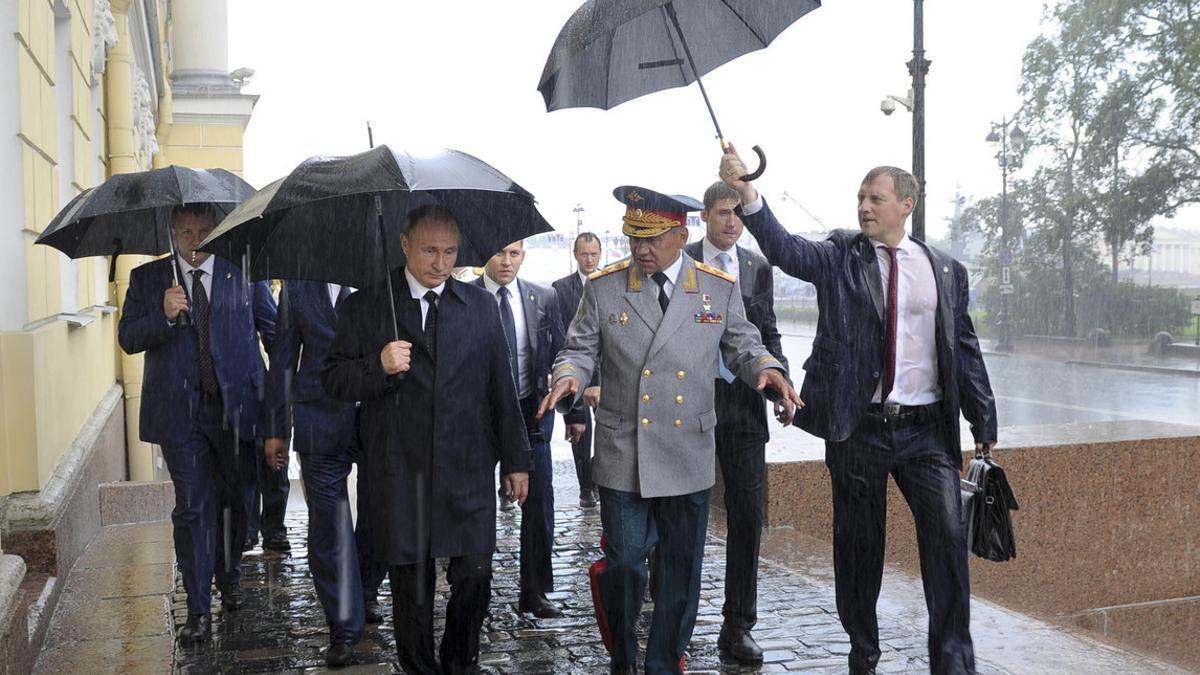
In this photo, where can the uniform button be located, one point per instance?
(875, 374)
(678, 423)
(646, 373)
(679, 399)
(645, 397)
(645, 422)
(680, 374)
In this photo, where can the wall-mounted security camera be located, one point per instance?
(887, 106)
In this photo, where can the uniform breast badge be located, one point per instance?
(707, 316)
(623, 319)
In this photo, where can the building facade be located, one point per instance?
(88, 89)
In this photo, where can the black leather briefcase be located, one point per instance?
(987, 501)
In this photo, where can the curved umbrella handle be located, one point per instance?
(762, 165)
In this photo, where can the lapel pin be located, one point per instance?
(945, 269)
(229, 275)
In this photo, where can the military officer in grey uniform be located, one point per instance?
(658, 321)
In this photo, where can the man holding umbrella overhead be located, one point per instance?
(439, 410)
(658, 320)
(200, 400)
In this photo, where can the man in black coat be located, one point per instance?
(529, 316)
(741, 433)
(439, 410)
(895, 361)
(579, 420)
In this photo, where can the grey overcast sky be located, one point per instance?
(463, 74)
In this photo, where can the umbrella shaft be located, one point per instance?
(670, 8)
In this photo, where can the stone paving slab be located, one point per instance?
(282, 629)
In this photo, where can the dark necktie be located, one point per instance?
(889, 336)
(431, 318)
(200, 318)
(663, 299)
(510, 333)
(342, 295)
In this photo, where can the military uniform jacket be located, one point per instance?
(654, 426)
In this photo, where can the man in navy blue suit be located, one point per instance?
(200, 401)
(325, 434)
(894, 362)
(533, 332)
(439, 410)
(579, 421)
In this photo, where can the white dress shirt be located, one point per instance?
(711, 252)
(335, 290)
(206, 278)
(524, 349)
(583, 278)
(418, 291)
(916, 313)
(672, 272)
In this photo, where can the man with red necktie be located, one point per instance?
(894, 362)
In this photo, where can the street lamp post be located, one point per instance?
(918, 67)
(578, 228)
(1009, 158)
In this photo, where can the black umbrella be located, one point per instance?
(336, 219)
(613, 51)
(131, 212)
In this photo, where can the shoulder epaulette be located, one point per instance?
(615, 267)
(716, 272)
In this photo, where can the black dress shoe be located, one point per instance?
(250, 543)
(506, 504)
(539, 606)
(862, 671)
(197, 629)
(614, 669)
(279, 545)
(339, 655)
(587, 499)
(739, 645)
(232, 598)
(373, 612)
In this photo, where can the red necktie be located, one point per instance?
(889, 336)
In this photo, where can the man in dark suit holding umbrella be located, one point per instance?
(326, 437)
(439, 410)
(200, 401)
(741, 433)
(579, 421)
(895, 361)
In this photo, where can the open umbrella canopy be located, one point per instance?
(130, 212)
(612, 51)
(320, 223)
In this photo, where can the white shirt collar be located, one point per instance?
(206, 266)
(906, 244)
(672, 270)
(492, 286)
(583, 278)
(710, 252)
(417, 290)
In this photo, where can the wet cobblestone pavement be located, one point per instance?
(281, 628)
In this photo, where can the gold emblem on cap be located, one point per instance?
(633, 196)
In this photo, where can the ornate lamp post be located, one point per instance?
(1009, 158)
(578, 228)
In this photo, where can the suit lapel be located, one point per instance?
(874, 278)
(944, 324)
(408, 313)
(679, 309)
(747, 276)
(529, 304)
(643, 302)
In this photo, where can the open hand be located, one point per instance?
(789, 399)
(565, 386)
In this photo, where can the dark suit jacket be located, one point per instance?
(570, 292)
(543, 327)
(847, 358)
(741, 409)
(433, 436)
(295, 397)
(240, 312)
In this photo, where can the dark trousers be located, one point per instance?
(371, 569)
(212, 472)
(629, 523)
(537, 519)
(470, 580)
(267, 503)
(332, 555)
(743, 467)
(582, 451)
(927, 472)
